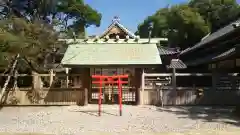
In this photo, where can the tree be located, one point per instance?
(31, 40)
(34, 25)
(217, 12)
(82, 13)
(59, 12)
(182, 25)
(160, 27)
(186, 26)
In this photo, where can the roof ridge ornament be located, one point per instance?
(117, 37)
(126, 38)
(96, 39)
(86, 39)
(106, 38)
(137, 38)
(116, 19)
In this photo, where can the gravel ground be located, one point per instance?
(135, 120)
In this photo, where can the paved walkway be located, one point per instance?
(135, 120)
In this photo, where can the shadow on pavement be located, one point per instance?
(207, 114)
(95, 113)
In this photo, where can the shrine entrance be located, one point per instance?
(109, 80)
(110, 87)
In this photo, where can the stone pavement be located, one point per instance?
(75, 120)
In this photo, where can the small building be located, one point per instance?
(117, 51)
(214, 49)
(217, 53)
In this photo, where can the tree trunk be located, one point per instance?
(9, 77)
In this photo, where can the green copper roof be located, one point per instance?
(111, 54)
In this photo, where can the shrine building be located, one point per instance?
(117, 51)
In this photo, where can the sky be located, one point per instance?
(130, 12)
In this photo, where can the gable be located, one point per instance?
(117, 29)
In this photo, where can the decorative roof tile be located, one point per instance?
(114, 41)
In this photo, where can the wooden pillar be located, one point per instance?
(77, 80)
(214, 80)
(174, 85)
(143, 86)
(137, 84)
(234, 82)
(86, 82)
(85, 96)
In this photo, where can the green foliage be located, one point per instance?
(29, 39)
(160, 28)
(217, 12)
(77, 9)
(31, 28)
(181, 24)
(52, 11)
(186, 24)
(82, 15)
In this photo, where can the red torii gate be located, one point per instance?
(110, 79)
